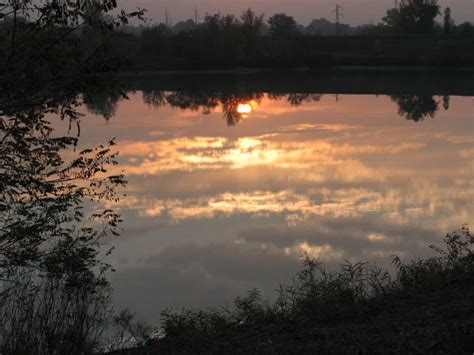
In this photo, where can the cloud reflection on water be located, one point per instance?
(212, 211)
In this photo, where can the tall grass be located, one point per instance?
(423, 305)
(50, 315)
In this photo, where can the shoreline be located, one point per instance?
(336, 80)
(329, 69)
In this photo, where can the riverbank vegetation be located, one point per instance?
(420, 306)
(54, 293)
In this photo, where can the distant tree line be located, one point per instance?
(409, 17)
(228, 41)
(407, 35)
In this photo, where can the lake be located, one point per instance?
(229, 187)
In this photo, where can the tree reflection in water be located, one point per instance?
(412, 107)
(418, 107)
(230, 102)
(296, 99)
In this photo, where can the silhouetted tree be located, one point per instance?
(223, 39)
(183, 26)
(324, 27)
(154, 40)
(251, 22)
(282, 26)
(465, 29)
(251, 25)
(51, 270)
(413, 16)
(447, 21)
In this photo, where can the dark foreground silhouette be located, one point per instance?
(425, 307)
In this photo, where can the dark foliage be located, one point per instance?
(54, 296)
(425, 307)
(413, 16)
(409, 37)
(282, 26)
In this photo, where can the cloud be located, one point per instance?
(212, 273)
(353, 236)
(199, 275)
(212, 211)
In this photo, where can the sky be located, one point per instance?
(213, 210)
(355, 11)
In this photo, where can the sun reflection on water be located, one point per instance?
(244, 108)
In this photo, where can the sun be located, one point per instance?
(244, 108)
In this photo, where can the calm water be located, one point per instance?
(226, 192)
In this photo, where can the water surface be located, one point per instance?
(227, 190)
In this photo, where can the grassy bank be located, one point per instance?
(423, 306)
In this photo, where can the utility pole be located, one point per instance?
(167, 18)
(396, 4)
(339, 14)
(196, 15)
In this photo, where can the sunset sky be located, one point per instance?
(355, 11)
